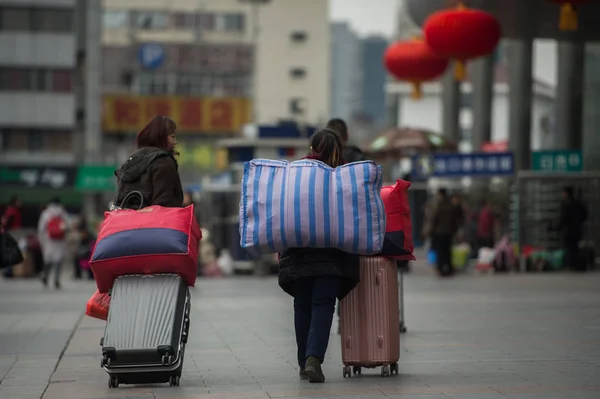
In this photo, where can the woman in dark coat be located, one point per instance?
(152, 169)
(315, 277)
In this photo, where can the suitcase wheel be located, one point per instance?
(166, 360)
(385, 371)
(394, 368)
(105, 361)
(113, 382)
(357, 370)
(174, 381)
(347, 372)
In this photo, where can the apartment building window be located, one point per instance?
(36, 19)
(15, 19)
(206, 21)
(36, 80)
(298, 73)
(114, 19)
(183, 21)
(36, 140)
(151, 20)
(52, 20)
(299, 37)
(233, 22)
(155, 83)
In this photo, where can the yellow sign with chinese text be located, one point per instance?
(129, 113)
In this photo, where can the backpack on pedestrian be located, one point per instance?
(56, 228)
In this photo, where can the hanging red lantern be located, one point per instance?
(568, 14)
(462, 33)
(413, 61)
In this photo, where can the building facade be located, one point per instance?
(213, 66)
(346, 71)
(37, 82)
(374, 79)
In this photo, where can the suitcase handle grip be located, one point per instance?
(348, 342)
(378, 279)
(380, 341)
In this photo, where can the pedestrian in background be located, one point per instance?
(52, 231)
(350, 153)
(572, 216)
(442, 227)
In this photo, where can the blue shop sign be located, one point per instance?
(151, 55)
(463, 165)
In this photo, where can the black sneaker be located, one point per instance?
(57, 285)
(45, 281)
(303, 375)
(313, 370)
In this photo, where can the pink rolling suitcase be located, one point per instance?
(369, 319)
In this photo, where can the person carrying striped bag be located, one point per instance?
(315, 277)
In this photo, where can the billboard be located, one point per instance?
(129, 113)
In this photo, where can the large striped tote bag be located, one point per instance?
(307, 203)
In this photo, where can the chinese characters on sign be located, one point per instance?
(38, 176)
(462, 165)
(557, 161)
(192, 115)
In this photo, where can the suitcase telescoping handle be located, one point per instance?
(378, 279)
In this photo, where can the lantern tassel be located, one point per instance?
(568, 18)
(460, 71)
(417, 92)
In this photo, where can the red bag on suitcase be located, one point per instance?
(370, 320)
(98, 305)
(151, 240)
(398, 243)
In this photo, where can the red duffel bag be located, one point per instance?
(147, 241)
(398, 243)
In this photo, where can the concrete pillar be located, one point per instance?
(451, 106)
(520, 64)
(591, 138)
(393, 109)
(483, 95)
(569, 96)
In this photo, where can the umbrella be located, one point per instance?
(406, 141)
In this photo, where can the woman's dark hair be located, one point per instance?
(156, 133)
(326, 144)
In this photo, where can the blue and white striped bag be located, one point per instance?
(307, 203)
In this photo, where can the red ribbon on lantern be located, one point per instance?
(413, 61)
(462, 34)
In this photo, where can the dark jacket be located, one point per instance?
(300, 263)
(152, 172)
(572, 215)
(443, 219)
(352, 153)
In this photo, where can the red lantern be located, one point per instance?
(462, 33)
(413, 61)
(568, 14)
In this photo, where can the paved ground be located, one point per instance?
(474, 336)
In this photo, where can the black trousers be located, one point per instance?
(572, 260)
(442, 245)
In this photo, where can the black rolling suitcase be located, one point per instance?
(146, 330)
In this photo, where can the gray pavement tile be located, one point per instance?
(433, 396)
(95, 390)
(21, 392)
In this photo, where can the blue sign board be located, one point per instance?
(463, 165)
(151, 55)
